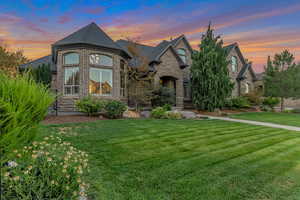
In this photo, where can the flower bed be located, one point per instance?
(49, 169)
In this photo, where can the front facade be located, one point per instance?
(89, 62)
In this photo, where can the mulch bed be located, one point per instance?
(226, 112)
(70, 119)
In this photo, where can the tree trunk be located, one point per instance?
(282, 104)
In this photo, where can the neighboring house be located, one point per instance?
(240, 71)
(89, 62)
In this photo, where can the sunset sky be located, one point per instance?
(261, 27)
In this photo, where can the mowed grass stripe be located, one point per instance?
(219, 156)
(220, 160)
(199, 143)
(170, 131)
(177, 153)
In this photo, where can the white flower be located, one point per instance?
(16, 178)
(12, 164)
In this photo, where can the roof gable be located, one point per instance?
(176, 41)
(90, 34)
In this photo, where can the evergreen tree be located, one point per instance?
(282, 77)
(42, 74)
(211, 84)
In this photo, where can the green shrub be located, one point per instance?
(114, 109)
(167, 107)
(89, 105)
(269, 103)
(254, 99)
(237, 103)
(49, 169)
(172, 115)
(158, 113)
(23, 104)
(296, 110)
(163, 96)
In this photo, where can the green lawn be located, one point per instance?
(187, 160)
(290, 119)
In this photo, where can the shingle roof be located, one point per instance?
(229, 47)
(151, 53)
(90, 34)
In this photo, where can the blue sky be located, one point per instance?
(261, 28)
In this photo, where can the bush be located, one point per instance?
(163, 96)
(162, 113)
(50, 169)
(173, 115)
(254, 99)
(23, 104)
(89, 105)
(296, 110)
(269, 103)
(114, 109)
(237, 103)
(167, 107)
(158, 113)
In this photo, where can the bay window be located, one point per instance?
(99, 59)
(71, 80)
(101, 82)
(71, 59)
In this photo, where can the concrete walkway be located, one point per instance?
(291, 128)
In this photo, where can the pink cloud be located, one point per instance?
(97, 10)
(64, 19)
(44, 20)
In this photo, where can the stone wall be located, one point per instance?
(186, 71)
(169, 66)
(233, 75)
(67, 103)
(292, 103)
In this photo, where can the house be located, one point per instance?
(89, 62)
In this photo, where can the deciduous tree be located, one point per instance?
(282, 77)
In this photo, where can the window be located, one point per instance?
(100, 82)
(71, 81)
(182, 54)
(98, 59)
(186, 89)
(122, 78)
(234, 63)
(71, 59)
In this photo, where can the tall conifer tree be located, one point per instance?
(211, 84)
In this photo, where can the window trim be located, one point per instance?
(64, 85)
(99, 65)
(71, 52)
(112, 81)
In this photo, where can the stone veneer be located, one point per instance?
(239, 87)
(169, 66)
(66, 103)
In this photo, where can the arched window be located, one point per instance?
(98, 59)
(71, 59)
(234, 64)
(182, 54)
(247, 88)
